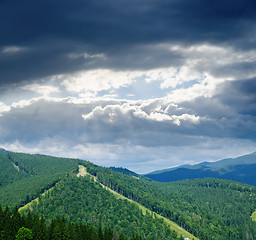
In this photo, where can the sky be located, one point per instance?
(145, 84)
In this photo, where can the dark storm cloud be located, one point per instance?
(229, 113)
(241, 96)
(237, 69)
(39, 120)
(50, 30)
(36, 62)
(104, 22)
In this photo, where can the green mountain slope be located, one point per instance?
(195, 205)
(207, 208)
(25, 176)
(56, 190)
(241, 169)
(84, 200)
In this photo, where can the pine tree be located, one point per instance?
(108, 234)
(7, 232)
(24, 234)
(100, 233)
(16, 219)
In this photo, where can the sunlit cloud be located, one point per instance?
(41, 89)
(3, 108)
(97, 80)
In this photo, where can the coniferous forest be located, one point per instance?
(28, 226)
(48, 198)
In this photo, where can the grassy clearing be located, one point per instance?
(171, 224)
(253, 216)
(17, 167)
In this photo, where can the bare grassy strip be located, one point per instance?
(254, 216)
(34, 201)
(171, 224)
(82, 171)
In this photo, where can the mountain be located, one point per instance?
(80, 191)
(241, 169)
(168, 169)
(84, 193)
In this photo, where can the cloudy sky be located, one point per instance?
(145, 84)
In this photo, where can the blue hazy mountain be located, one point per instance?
(240, 169)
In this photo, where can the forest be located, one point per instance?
(27, 226)
(83, 200)
(207, 208)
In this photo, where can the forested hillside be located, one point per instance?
(83, 200)
(24, 176)
(208, 208)
(57, 191)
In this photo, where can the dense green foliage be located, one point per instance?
(83, 200)
(125, 171)
(24, 176)
(208, 208)
(27, 226)
(241, 169)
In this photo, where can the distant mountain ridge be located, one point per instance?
(169, 169)
(241, 169)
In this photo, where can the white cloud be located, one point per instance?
(218, 61)
(206, 88)
(41, 89)
(26, 103)
(213, 53)
(172, 76)
(97, 80)
(117, 113)
(185, 118)
(16, 146)
(4, 108)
